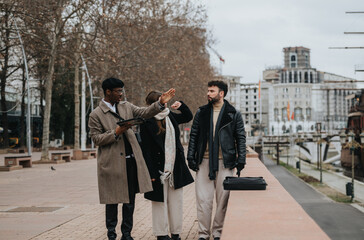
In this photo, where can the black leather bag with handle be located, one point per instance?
(244, 183)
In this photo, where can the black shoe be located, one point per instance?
(166, 237)
(128, 237)
(111, 235)
(217, 238)
(202, 239)
(175, 237)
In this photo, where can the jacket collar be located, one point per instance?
(228, 108)
(227, 116)
(106, 108)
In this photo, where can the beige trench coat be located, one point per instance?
(111, 162)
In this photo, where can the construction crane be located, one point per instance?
(221, 59)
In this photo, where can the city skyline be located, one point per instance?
(250, 36)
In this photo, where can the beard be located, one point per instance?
(214, 99)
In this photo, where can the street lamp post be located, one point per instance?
(29, 131)
(321, 140)
(352, 145)
(316, 138)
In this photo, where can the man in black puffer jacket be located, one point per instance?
(216, 147)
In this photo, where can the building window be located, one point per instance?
(246, 97)
(246, 90)
(255, 97)
(306, 77)
(255, 103)
(247, 103)
(255, 109)
(255, 90)
(284, 113)
(247, 109)
(298, 114)
(276, 114)
(255, 116)
(308, 114)
(293, 60)
(298, 90)
(295, 77)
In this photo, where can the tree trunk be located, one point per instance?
(76, 145)
(4, 72)
(48, 92)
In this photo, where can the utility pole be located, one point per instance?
(29, 131)
(90, 89)
(83, 112)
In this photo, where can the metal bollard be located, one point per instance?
(298, 166)
(349, 189)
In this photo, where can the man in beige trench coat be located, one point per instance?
(121, 169)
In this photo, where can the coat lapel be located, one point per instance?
(121, 110)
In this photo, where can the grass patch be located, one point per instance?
(321, 187)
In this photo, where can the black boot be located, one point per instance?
(127, 222)
(166, 237)
(175, 237)
(111, 213)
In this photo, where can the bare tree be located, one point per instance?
(10, 63)
(154, 45)
(55, 16)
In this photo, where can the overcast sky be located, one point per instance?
(250, 35)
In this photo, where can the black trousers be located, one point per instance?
(128, 208)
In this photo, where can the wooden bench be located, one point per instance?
(61, 156)
(24, 161)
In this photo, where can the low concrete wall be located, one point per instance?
(269, 214)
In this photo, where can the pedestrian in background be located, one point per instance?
(216, 147)
(121, 168)
(164, 155)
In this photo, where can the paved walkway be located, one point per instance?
(38, 203)
(339, 221)
(333, 179)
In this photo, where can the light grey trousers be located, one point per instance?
(205, 191)
(168, 215)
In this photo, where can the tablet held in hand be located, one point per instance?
(131, 122)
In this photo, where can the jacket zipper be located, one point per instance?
(219, 135)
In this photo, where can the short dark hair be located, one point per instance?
(111, 83)
(152, 97)
(220, 84)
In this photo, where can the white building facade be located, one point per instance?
(299, 96)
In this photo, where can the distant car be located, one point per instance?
(336, 163)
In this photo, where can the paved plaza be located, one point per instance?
(40, 203)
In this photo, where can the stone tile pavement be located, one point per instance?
(72, 190)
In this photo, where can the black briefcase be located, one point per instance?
(244, 183)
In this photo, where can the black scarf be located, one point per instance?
(214, 143)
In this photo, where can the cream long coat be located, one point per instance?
(111, 162)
